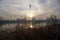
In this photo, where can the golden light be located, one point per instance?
(31, 26)
(31, 15)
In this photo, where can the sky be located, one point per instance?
(39, 8)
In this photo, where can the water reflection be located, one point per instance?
(31, 26)
(16, 26)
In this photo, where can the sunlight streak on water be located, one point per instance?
(13, 27)
(31, 26)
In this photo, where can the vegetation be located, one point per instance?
(43, 33)
(48, 32)
(52, 19)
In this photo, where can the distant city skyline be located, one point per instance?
(43, 8)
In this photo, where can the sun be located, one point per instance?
(31, 15)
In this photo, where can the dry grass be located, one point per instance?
(43, 33)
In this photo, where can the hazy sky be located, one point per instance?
(38, 7)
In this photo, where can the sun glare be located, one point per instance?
(31, 26)
(31, 16)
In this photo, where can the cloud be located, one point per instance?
(50, 7)
(21, 7)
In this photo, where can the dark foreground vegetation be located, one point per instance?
(50, 32)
